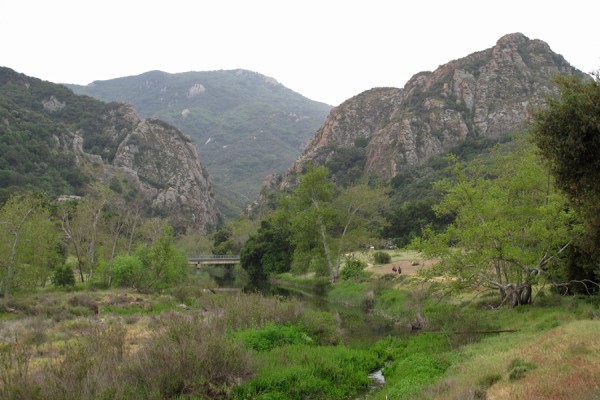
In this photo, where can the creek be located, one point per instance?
(355, 324)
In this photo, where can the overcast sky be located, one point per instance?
(326, 50)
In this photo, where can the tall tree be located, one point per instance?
(28, 242)
(326, 224)
(510, 226)
(81, 225)
(567, 131)
(268, 251)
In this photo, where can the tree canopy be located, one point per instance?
(568, 133)
(510, 225)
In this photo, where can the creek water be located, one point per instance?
(355, 324)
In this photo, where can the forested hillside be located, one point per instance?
(56, 142)
(245, 125)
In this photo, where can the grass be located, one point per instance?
(555, 354)
(315, 372)
(251, 346)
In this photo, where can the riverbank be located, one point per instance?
(551, 349)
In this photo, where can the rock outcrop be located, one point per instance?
(486, 94)
(92, 141)
(163, 162)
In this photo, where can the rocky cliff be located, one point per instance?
(486, 94)
(164, 164)
(73, 141)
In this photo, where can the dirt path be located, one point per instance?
(408, 267)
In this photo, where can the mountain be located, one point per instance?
(55, 141)
(246, 126)
(385, 131)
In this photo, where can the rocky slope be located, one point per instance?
(245, 125)
(99, 142)
(486, 94)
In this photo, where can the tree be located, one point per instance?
(326, 224)
(567, 131)
(81, 224)
(28, 242)
(268, 251)
(167, 265)
(510, 225)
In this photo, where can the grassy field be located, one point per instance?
(190, 342)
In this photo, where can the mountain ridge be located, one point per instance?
(485, 94)
(246, 125)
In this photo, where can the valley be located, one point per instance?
(442, 236)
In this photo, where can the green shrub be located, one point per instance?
(382, 257)
(518, 368)
(127, 271)
(272, 335)
(63, 276)
(353, 269)
(321, 326)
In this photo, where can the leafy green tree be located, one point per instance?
(63, 276)
(81, 223)
(326, 224)
(353, 269)
(269, 251)
(508, 231)
(167, 265)
(222, 241)
(568, 133)
(28, 242)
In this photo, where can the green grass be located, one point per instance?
(349, 293)
(272, 335)
(391, 302)
(309, 372)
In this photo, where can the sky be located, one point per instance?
(326, 50)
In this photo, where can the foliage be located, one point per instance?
(508, 231)
(381, 257)
(269, 251)
(327, 224)
(353, 269)
(271, 336)
(301, 371)
(29, 243)
(568, 133)
(63, 276)
(222, 243)
(166, 265)
(416, 362)
(517, 369)
(347, 164)
(128, 271)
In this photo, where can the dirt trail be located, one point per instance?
(408, 267)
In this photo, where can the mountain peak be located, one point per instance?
(517, 38)
(485, 94)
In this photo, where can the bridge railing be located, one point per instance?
(215, 257)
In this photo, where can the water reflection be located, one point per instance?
(355, 324)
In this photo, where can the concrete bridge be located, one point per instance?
(211, 259)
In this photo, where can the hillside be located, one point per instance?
(386, 131)
(246, 126)
(54, 141)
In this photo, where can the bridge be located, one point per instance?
(211, 259)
